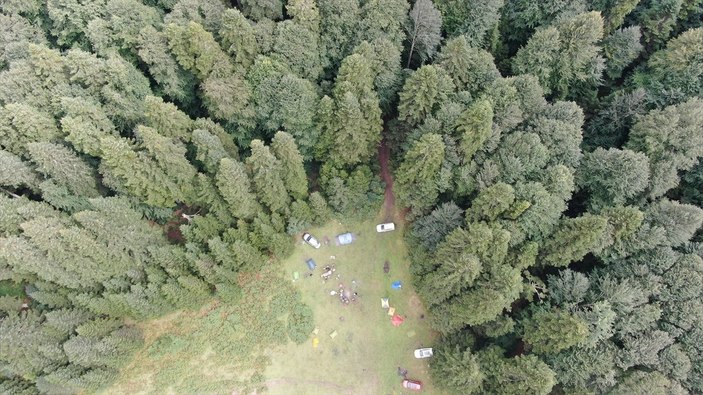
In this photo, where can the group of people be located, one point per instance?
(346, 296)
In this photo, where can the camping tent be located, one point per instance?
(384, 303)
(345, 238)
(397, 285)
(397, 320)
(311, 264)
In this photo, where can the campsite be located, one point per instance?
(362, 357)
(366, 352)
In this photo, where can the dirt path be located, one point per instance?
(384, 155)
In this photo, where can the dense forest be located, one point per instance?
(547, 154)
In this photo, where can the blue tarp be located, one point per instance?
(397, 285)
(311, 264)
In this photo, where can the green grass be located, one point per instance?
(364, 357)
(11, 288)
(237, 348)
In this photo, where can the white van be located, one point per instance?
(380, 228)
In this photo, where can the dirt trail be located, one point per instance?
(384, 155)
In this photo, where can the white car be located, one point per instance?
(308, 238)
(380, 228)
(423, 353)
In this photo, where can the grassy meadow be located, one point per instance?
(241, 347)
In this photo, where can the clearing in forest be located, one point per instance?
(237, 348)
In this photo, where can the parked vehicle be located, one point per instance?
(308, 238)
(423, 353)
(387, 227)
(412, 384)
(345, 238)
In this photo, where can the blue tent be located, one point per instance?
(311, 264)
(397, 285)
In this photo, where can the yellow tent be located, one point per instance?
(315, 342)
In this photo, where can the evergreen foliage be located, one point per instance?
(155, 153)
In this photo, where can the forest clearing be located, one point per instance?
(362, 358)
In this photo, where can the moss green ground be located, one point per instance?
(227, 349)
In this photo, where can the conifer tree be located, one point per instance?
(267, 177)
(553, 331)
(85, 124)
(171, 79)
(206, 13)
(260, 9)
(470, 20)
(471, 68)
(64, 167)
(460, 370)
(197, 51)
(297, 46)
(339, 26)
(167, 119)
(613, 176)
(355, 123)
(424, 91)
(565, 54)
(513, 376)
(384, 19)
(305, 13)
(284, 148)
(120, 26)
(620, 48)
(26, 349)
(16, 173)
(209, 150)
(574, 238)
(128, 171)
(384, 60)
(238, 37)
(228, 99)
(17, 31)
(235, 187)
(673, 74)
(474, 126)
(672, 140)
(21, 124)
(69, 19)
(319, 207)
(416, 178)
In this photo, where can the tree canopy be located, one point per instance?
(546, 159)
